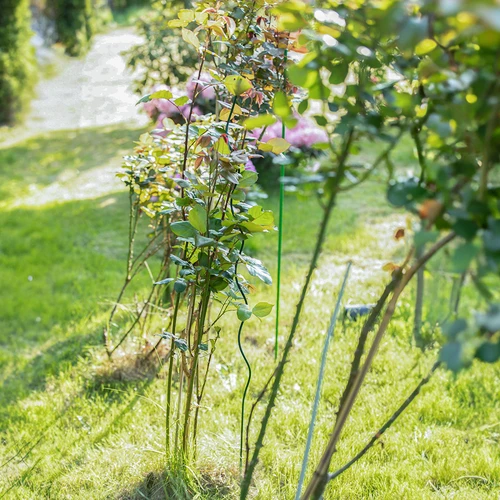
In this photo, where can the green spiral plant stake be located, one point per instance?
(314, 413)
(280, 227)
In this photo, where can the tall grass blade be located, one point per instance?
(314, 413)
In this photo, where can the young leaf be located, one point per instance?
(221, 146)
(181, 344)
(259, 121)
(255, 268)
(237, 85)
(198, 218)
(280, 105)
(189, 37)
(244, 313)
(166, 281)
(262, 309)
(276, 145)
(180, 285)
(159, 94)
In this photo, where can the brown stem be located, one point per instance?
(319, 481)
(386, 426)
(247, 479)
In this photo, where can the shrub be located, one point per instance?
(17, 59)
(165, 58)
(75, 22)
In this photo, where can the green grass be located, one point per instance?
(70, 428)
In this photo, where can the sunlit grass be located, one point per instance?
(70, 430)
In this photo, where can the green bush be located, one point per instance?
(17, 59)
(75, 22)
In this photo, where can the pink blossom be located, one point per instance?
(196, 111)
(208, 92)
(304, 135)
(250, 166)
(166, 107)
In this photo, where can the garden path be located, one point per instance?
(94, 91)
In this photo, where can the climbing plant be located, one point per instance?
(17, 60)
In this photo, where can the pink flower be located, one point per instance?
(204, 91)
(304, 135)
(196, 111)
(250, 166)
(166, 107)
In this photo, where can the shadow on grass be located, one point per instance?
(60, 267)
(40, 160)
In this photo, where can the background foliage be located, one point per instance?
(17, 59)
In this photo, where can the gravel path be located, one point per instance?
(94, 91)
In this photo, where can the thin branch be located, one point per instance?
(387, 425)
(247, 479)
(318, 483)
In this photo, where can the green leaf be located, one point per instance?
(160, 94)
(237, 85)
(202, 241)
(180, 285)
(180, 101)
(276, 145)
(248, 179)
(244, 313)
(425, 46)
(280, 105)
(451, 355)
(463, 256)
(181, 344)
(490, 321)
(221, 146)
(259, 121)
(422, 238)
(189, 37)
(255, 268)
(183, 229)
(339, 73)
(262, 309)
(166, 281)
(302, 107)
(302, 77)
(467, 229)
(198, 218)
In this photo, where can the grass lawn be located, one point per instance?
(71, 429)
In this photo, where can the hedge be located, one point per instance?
(17, 59)
(75, 23)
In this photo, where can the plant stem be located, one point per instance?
(280, 227)
(247, 479)
(318, 483)
(242, 352)
(189, 394)
(170, 373)
(419, 304)
(388, 424)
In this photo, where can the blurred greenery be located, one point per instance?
(17, 60)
